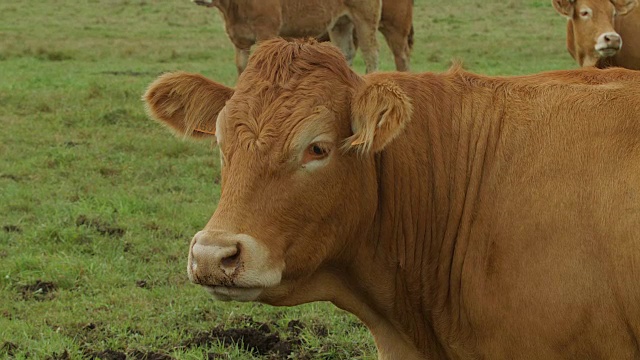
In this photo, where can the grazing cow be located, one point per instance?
(459, 216)
(597, 30)
(250, 21)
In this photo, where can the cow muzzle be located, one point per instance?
(608, 44)
(207, 3)
(232, 266)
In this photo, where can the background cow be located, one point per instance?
(457, 215)
(597, 30)
(396, 25)
(247, 22)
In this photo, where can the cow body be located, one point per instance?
(250, 21)
(458, 216)
(602, 33)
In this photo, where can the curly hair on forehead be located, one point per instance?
(277, 61)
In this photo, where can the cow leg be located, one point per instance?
(366, 25)
(400, 44)
(341, 35)
(242, 57)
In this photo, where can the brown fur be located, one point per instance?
(582, 34)
(492, 218)
(249, 21)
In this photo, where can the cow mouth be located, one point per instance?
(228, 293)
(203, 2)
(607, 51)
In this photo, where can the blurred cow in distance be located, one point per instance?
(597, 30)
(247, 22)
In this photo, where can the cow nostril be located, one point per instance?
(232, 260)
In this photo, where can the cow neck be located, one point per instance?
(428, 181)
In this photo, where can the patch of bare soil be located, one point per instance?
(12, 229)
(258, 339)
(132, 355)
(100, 226)
(267, 340)
(39, 290)
(8, 348)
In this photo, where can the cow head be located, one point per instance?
(590, 28)
(297, 138)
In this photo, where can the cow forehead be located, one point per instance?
(597, 6)
(278, 121)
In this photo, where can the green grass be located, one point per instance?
(99, 203)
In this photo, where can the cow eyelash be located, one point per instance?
(318, 150)
(315, 151)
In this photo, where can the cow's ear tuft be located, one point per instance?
(187, 103)
(624, 6)
(564, 7)
(380, 110)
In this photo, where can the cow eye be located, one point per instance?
(585, 14)
(315, 151)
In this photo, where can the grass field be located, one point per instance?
(98, 203)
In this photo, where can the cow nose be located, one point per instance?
(612, 40)
(213, 258)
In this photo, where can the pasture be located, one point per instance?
(98, 203)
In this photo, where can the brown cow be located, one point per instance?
(596, 30)
(250, 21)
(396, 24)
(458, 216)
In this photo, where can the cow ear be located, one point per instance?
(624, 6)
(564, 7)
(380, 110)
(187, 103)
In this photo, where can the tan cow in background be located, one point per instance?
(396, 24)
(602, 33)
(458, 216)
(250, 21)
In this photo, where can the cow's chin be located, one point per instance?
(607, 52)
(225, 293)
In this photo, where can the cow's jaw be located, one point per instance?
(232, 266)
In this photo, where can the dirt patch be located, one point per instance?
(8, 348)
(132, 355)
(12, 228)
(130, 73)
(259, 341)
(15, 178)
(64, 355)
(107, 355)
(39, 290)
(100, 226)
